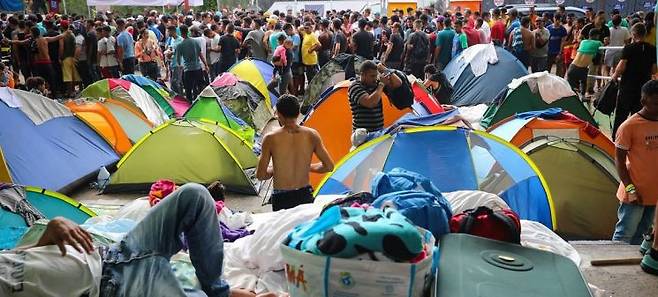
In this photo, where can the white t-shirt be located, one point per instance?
(487, 32)
(214, 56)
(107, 44)
(80, 42)
(618, 36)
(42, 271)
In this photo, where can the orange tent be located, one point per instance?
(569, 127)
(577, 161)
(106, 118)
(332, 118)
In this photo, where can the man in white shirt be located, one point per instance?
(107, 54)
(214, 51)
(64, 262)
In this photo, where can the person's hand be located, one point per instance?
(61, 232)
(614, 76)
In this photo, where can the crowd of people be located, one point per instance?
(188, 50)
(57, 55)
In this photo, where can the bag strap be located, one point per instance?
(466, 224)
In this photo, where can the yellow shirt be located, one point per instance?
(309, 41)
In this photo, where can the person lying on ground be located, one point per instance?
(290, 148)
(65, 261)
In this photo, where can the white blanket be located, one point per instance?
(550, 87)
(255, 262)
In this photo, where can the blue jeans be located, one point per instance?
(176, 80)
(139, 264)
(634, 220)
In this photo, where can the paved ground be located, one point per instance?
(626, 281)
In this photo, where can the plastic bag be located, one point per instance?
(537, 236)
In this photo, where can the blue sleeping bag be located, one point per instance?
(414, 196)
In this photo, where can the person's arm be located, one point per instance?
(437, 50)
(62, 232)
(54, 38)
(622, 171)
(61, 49)
(387, 53)
(264, 171)
(336, 49)
(620, 69)
(203, 58)
(326, 164)
(371, 100)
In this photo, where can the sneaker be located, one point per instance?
(646, 244)
(650, 262)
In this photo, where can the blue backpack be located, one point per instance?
(415, 197)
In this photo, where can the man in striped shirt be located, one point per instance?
(365, 96)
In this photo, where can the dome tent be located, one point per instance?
(340, 68)
(210, 106)
(130, 93)
(577, 161)
(259, 73)
(43, 144)
(453, 159)
(537, 91)
(161, 95)
(204, 152)
(332, 118)
(119, 123)
(480, 72)
(48, 203)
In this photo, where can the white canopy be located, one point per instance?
(141, 2)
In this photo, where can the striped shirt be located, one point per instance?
(371, 119)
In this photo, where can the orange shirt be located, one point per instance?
(639, 137)
(140, 49)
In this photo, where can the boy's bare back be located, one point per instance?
(291, 151)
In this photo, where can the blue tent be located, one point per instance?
(453, 159)
(43, 144)
(470, 89)
(49, 204)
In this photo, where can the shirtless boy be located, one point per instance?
(290, 148)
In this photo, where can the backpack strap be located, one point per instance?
(466, 224)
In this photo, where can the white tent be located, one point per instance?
(141, 2)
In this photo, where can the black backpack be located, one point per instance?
(606, 99)
(402, 97)
(421, 48)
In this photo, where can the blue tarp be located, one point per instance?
(470, 90)
(52, 155)
(12, 5)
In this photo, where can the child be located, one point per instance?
(641, 183)
(37, 85)
(637, 160)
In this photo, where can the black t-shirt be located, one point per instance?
(640, 57)
(364, 42)
(91, 44)
(398, 48)
(419, 40)
(229, 44)
(53, 47)
(340, 38)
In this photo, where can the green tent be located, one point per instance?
(187, 151)
(210, 106)
(523, 99)
(158, 92)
